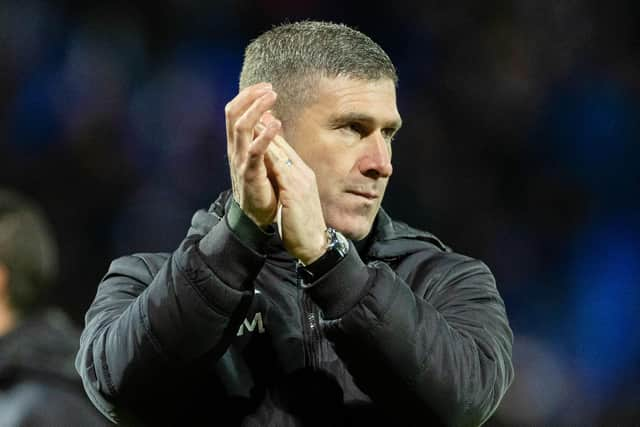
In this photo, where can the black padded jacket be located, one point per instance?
(221, 332)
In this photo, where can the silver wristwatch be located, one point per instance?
(337, 249)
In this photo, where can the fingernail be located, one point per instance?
(274, 124)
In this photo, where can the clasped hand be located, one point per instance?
(271, 183)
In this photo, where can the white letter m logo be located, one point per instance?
(250, 326)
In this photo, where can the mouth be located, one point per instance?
(364, 194)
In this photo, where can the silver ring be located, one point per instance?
(288, 162)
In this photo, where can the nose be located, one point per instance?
(376, 161)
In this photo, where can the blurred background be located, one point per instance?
(520, 147)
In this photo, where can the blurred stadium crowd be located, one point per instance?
(520, 147)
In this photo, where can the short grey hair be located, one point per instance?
(294, 56)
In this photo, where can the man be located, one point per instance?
(297, 300)
(38, 385)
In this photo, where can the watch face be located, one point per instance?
(343, 244)
(336, 251)
(337, 242)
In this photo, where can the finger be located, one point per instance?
(274, 155)
(244, 126)
(296, 172)
(277, 147)
(282, 162)
(287, 150)
(237, 106)
(245, 98)
(262, 142)
(292, 182)
(267, 117)
(278, 158)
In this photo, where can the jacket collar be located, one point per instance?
(393, 238)
(388, 238)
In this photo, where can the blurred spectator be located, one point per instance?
(38, 384)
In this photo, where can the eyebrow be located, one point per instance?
(341, 119)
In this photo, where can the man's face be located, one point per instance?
(344, 135)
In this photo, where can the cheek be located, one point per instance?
(328, 176)
(328, 189)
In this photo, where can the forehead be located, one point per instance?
(342, 96)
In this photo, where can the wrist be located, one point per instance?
(263, 225)
(245, 228)
(337, 248)
(263, 220)
(312, 254)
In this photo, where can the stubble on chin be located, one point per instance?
(354, 221)
(355, 227)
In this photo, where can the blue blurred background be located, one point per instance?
(520, 147)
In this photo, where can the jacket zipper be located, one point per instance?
(311, 336)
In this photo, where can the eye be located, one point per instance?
(356, 128)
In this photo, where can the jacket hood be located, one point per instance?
(390, 238)
(43, 345)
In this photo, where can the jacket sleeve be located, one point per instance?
(152, 319)
(437, 347)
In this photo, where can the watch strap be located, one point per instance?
(336, 251)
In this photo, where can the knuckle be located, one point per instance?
(253, 152)
(239, 125)
(228, 109)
